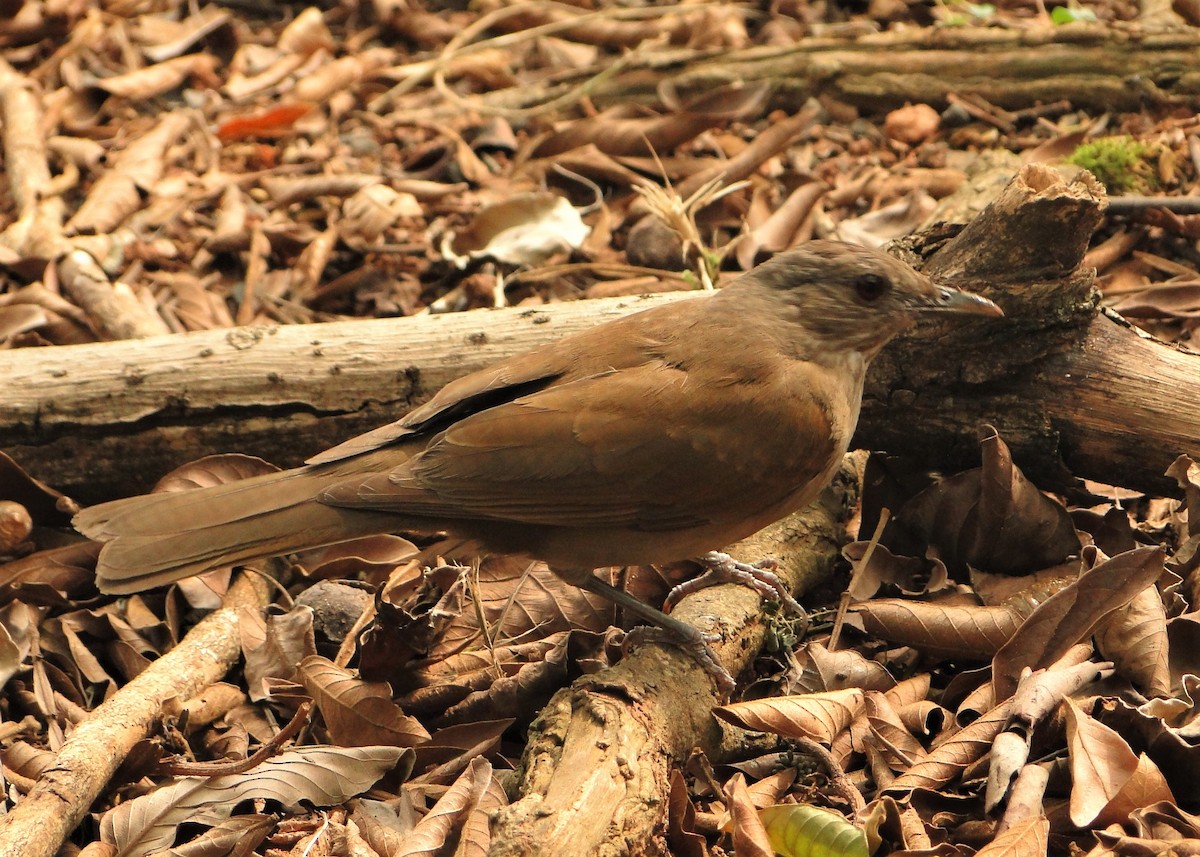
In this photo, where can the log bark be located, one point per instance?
(1096, 65)
(599, 756)
(1077, 390)
(1073, 390)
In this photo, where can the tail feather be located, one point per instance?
(135, 563)
(158, 538)
(167, 513)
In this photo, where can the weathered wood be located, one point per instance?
(107, 419)
(1071, 389)
(1122, 67)
(1075, 391)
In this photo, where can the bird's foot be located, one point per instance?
(722, 568)
(696, 643)
(667, 629)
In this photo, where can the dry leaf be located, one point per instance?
(323, 776)
(945, 762)
(992, 518)
(878, 227)
(274, 646)
(306, 33)
(749, 835)
(272, 122)
(1029, 838)
(897, 747)
(779, 231)
(135, 169)
(154, 80)
(524, 230)
(163, 38)
(681, 821)
(341, 74)
(373, 209)
(963, 631)
(842, 669)
(357, 713)
(912, 123)
(819, 716)
(1134, 638)
(1073, 613)
(1109, 780)
(461, 814)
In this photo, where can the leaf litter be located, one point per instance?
(1016, 673)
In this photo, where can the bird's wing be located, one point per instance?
(643, 447)
(474, 392)
(621, 344)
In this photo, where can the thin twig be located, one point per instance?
(459, 46)
(844, 601)
(838, 781)
(240, 766)
(1135, 204)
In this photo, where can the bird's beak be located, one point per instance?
(968, 303)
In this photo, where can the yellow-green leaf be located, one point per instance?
(798, 830)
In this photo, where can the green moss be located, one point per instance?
(1120, 163)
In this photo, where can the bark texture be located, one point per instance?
(600, 754)
(1096, 65)
(1074, 390)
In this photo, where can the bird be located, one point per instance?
(655, 437)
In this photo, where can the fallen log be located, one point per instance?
(1110, 67)
(1074, 390)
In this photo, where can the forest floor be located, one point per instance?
(175, 167)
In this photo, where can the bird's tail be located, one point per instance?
(154, 539)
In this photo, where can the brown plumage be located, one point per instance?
(655, 437)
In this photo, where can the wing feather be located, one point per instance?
(594, 453)
(621, 344)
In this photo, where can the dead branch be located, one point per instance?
(1073, 390)
(1078, 391)
(63, 795)
(1092, 63)
(599, 756)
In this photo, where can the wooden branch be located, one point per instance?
(1092, 64)
(64, 793)
(1076, 392)
(599, 755)
(106, 419)
(1073, 390)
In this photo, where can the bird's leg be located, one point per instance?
(722, 568)
(692, 639)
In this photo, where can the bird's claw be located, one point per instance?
(698, 645)
(722, 568)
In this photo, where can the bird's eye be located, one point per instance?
(871, 287)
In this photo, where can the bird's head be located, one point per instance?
(856, 298)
